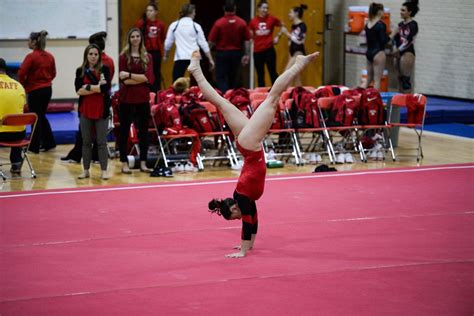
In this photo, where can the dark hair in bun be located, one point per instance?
(412, 7)
(98, 39)
(300, 10)
(221, 207)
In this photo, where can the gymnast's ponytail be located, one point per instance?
(412, 7)
(221, 207)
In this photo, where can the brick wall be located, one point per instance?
(444, 47)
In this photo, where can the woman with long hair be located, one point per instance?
(75, 154)
(377, 38)
(249, 134)
(404, 39)
(261, 29)
(36, 74)
(154, 32)
(297, 37)
(93, 86)
(136, 76)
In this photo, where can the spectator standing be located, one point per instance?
(230, 36)
(188, 36)
(154, 32)
(36, 74)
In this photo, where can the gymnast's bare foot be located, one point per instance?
(305, 60)
(195, 59)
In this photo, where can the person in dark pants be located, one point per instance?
(136, 76)
(261, 30)
(229, 35)
(36, 74)
(92, 84)
(154, 32)
(75, 155)
(12, 101)
(188, 36)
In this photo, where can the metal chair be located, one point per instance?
(20, 120)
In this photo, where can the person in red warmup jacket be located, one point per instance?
(36, 74)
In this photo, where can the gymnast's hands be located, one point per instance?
(236, 255)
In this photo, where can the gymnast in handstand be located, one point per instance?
(249, 134)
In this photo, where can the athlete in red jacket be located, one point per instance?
(249, 134)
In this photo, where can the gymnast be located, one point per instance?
(249, 134)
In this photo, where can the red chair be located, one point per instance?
(260, 89)
(416, 113)
(24, 144)
(258, 96)
(281, 137)
(223, 147)
(315, 140)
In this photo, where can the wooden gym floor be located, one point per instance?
(52, 173)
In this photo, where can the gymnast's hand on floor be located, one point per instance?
(236, 255)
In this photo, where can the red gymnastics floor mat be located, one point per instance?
(386, 242)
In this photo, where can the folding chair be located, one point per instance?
(286, 145)
(223, 148)
(24, 144)
(260, 89)
(343, 135)
(258, 96)
(178, 146)
(318, 142)
(368, 131)
(416, 113)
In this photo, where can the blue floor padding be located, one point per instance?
(64, 126)
(452, 129)
(442, 110)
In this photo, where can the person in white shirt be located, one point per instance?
(188, 36)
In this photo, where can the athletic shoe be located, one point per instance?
(372, 154)
(340, 158)
(380, 155)
(70, 160)
(348, 158)
(318, 158)
(190, 167)
(271, 155)
(178, 167)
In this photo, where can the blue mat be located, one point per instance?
(452, 129)
(442, 110)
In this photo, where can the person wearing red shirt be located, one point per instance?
(36, 74)
(261, 29)
(93, 86)
(229, 35)
(249, 134)
(136, 76)
(154, 32)
(75, 154)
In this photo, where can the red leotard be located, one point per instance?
(252, 177)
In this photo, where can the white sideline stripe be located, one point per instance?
(156, 186)
(257, 277)
(334, 220)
